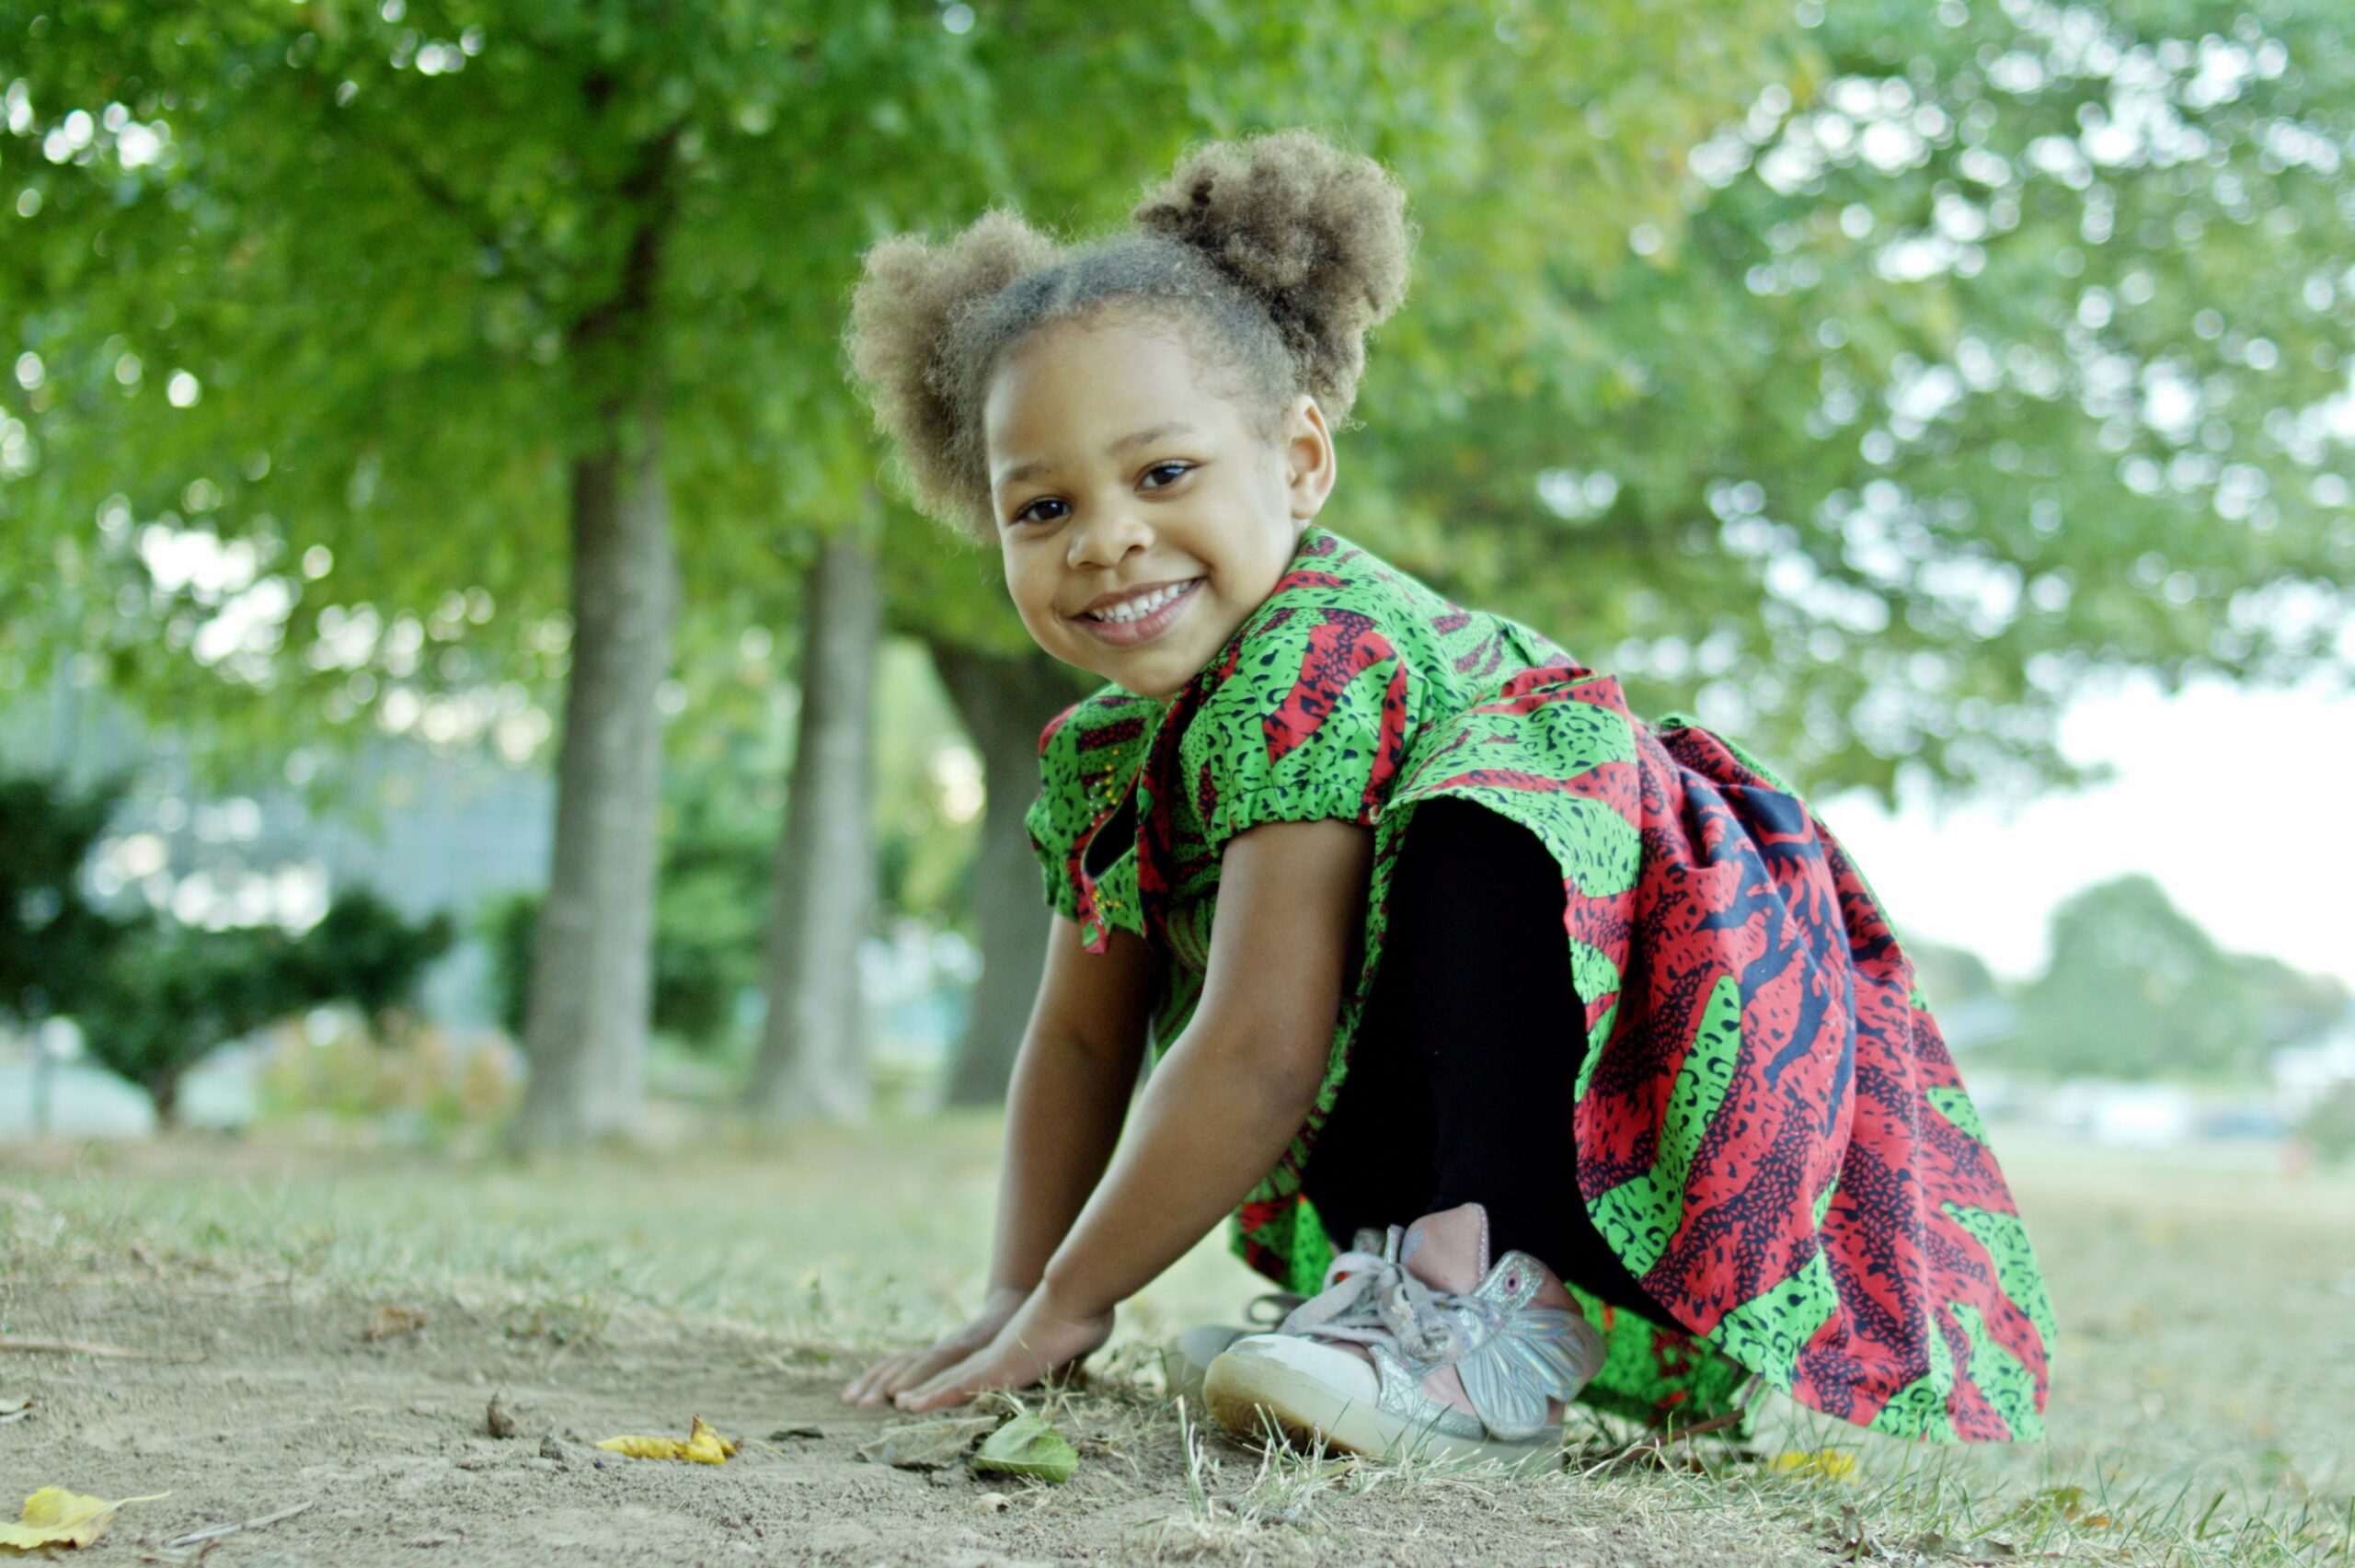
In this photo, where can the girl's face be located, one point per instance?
(1140, 518)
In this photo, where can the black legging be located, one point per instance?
(1461, 1082)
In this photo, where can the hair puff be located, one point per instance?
(1273, 255)
(1317, 232)
(902, 315)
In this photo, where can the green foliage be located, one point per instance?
(2292, 1005)
(1948, 974)
(506, 926)
(413, 224)
(1861, 387)
(2135, 989)
(152, 996)
(925, 821)
(361, 951)
(1990, 355)
(710, 909)
(2329, 1126)
(54, 946)
(708, 915)
(173, 993)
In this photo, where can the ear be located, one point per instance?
(1306, 458)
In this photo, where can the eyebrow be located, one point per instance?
(1135, 438)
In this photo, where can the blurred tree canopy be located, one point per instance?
(1865, 390)
(1861, 376)
(2137, 989)
(1994, 353)
(416, 282)
(152, 994)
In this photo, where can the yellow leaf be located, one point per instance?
(54, 1516)
(702, 1445)
(1830, 1463)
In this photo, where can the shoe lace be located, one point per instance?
(1370, 1299)
(1269, 1308)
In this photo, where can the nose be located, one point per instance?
(1105, 534)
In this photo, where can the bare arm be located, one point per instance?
(1071, 1086)
(1072, 1082)
(1239, 1082)
(1220, 1109)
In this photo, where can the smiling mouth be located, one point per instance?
(1140, 619)
(1138, 607)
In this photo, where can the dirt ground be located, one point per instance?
(282, 1401)
(2204, 1370)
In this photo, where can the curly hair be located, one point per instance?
(1272, 256)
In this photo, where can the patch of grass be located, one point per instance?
(2202, 1372)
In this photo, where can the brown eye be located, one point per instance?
(1024, 515)
(1182, 468)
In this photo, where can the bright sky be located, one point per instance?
(2236, 801)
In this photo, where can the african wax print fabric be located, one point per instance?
(1768, 1130)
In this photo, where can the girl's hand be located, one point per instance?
(910, 1368)
(1043, 1337)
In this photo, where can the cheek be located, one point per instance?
(1032, 588)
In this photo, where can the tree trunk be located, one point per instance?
(593, 950)
(1004, 701)
(812, 1061)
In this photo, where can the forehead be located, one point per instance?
(1054, 392)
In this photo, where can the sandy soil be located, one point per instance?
(264, 1395)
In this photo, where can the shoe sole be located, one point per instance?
(1240, 1388)
(1185, 1360)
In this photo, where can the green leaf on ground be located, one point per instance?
(925, 1445)
(1028, 1446)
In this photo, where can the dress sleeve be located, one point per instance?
(1087, 755)
(1312, 722)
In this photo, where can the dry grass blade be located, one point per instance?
(217, 1531)
(69, 1347)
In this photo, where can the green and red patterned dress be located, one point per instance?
(1769, 1131)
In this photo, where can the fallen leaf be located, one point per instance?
(787, 1434)
(1832, 1463)
(925, 1445)
(386, 1321)
(702, 1445)
(54, 1516)
(1028, 1446)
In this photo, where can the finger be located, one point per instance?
(954, 1386)
(921, 1370)
(867, 1380)
(870, 1385)
(940, 1397)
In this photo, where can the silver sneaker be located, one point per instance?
(1187, 1359)
(1513, 1360)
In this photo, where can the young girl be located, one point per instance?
(1585, 1026)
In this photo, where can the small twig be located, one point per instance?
(69, 1347)
(219, 1530)
(1702, 1428)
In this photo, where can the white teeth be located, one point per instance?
(1137, 609)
